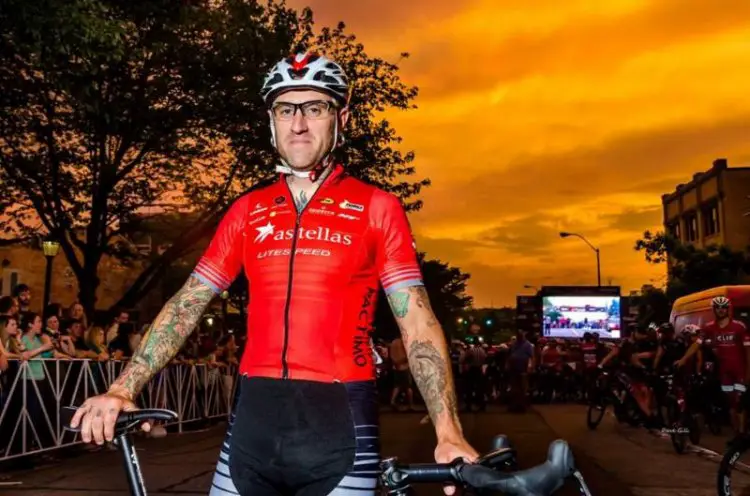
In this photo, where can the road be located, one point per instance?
(615, 460)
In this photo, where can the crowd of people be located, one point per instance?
(65, 333)
(523, 369)
(41, 349)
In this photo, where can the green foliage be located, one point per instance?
(110, 109)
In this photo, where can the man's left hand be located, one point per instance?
(447, 451)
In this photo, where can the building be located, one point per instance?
(24, 263)
(712, 208)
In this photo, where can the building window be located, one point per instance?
(673, 228)
(711, 220)
(9, 281)
(691, 227)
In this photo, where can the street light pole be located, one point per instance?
(50, 249)
(598, 269)
(596, 250)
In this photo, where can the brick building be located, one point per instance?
(712, 208)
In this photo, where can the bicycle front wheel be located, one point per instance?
(732, 472)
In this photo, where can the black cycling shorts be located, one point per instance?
(291, 437)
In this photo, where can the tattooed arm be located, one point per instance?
(165, 337)
(429, 360)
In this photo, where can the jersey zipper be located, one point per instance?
(285, 347)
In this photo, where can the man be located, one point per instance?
(120, 317)
(520, 359)
(474, 362)
(22, 293)
(401, 375)
(730, 342)
(8, 306)
(314, 245)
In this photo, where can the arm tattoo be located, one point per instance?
(432, 375)
(300, 201)
(423, 301)
(399, 302)
(428, 354)
(166, 335)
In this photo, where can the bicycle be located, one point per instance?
(494, 471)
(737, 447)
(124, 440)
(489, 473)
(611, 390)
(680, 419)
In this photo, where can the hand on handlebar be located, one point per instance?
(98, 415)
(447, 451)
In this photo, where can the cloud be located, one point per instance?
(557, 181)
(484, 49)
(536, 116)
(635, 219)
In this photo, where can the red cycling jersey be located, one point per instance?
(728, 343)
(313, 276)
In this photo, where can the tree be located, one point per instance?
(446, 289)
(694, 269)
(653, 306)
(111, 108)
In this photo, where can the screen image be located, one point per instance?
(571, 316)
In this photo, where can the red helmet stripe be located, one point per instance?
(299, 65)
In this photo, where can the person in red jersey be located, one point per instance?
(730, 342)
(315, 244)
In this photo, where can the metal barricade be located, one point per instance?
(32, 393)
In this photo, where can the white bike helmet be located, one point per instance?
(720, 302)
(307, 71)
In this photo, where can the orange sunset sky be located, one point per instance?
(537, 116)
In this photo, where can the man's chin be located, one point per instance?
(302, 165)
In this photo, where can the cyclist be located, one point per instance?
(671, 348)
(315, 245)
(730, 342)
(635, 354)
(591, 351)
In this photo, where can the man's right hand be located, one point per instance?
(98, 414)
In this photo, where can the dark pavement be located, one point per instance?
(615, 460)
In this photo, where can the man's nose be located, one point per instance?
(299, 123)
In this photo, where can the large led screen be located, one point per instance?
(572, 316)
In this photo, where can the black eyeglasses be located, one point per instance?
(313, 110)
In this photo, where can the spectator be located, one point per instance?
(120, 317)
(402, 375)
(75, 312)
(8, 306)
(120, 346)
(520, 361)
(63, 344)
(38, 390)
(134, 340)
(474, 363)
(10, 339)
(75, 332)
(22, 293)
(95, 342)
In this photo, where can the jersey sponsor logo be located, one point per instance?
(279, 200)
(285, 211)
(320, 211)
(347, 205)
(318, 234)
(361, 348)
(258, 209)
(327, 201)
(264, 232)
(285, 252)
(347, 216)
(257, 219)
